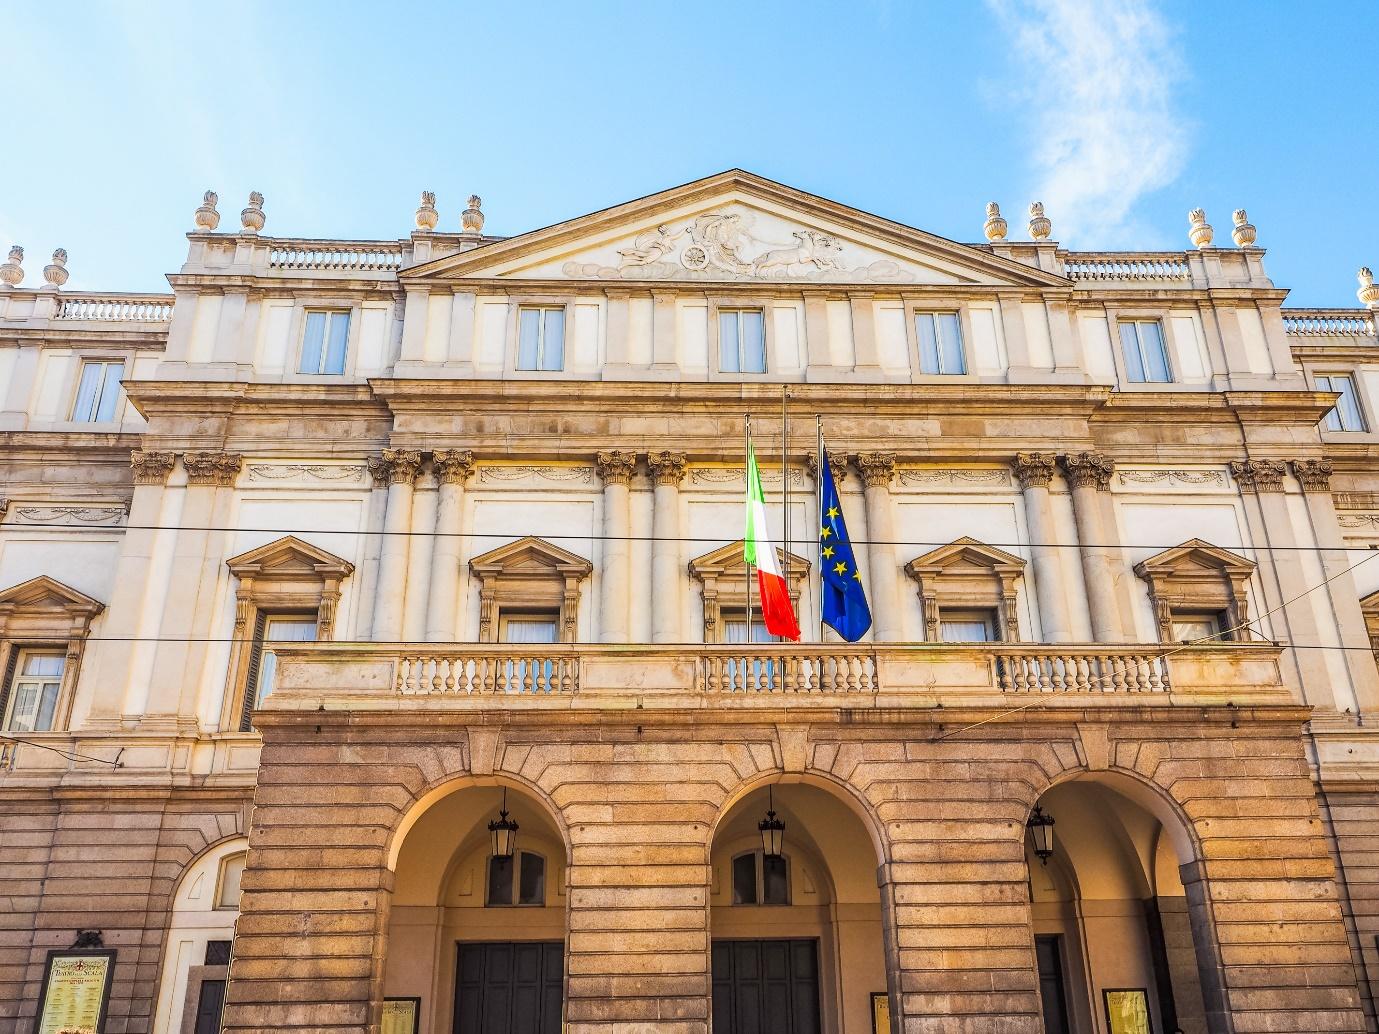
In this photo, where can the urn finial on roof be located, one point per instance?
(1368, 292)
(206, 217)
(12, 271)
(995, 225)
(1199, 230)
(1039, 225)
(252, 218)
(472, 218)
(427, 216)
(55, 273)
(1243, 233)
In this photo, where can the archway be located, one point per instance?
(1112, 923)
(796, 939)
(477, 942)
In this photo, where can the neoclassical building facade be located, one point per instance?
(319, 572)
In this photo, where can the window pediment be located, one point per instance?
(967, 573)
(287, 558)
(525, 574)
(723, 585)
(46, 603)
(1198, 576)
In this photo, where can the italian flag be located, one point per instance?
(776, 611)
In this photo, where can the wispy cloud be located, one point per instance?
(1100, 81)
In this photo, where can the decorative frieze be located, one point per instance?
(1034, 469)
(1314, 475)
(667, 468)
(769, 476)
(212, 468)
(151, 468)
(328, 472)
(520, 472)
(1259, 475)
(395, 467)
(1183, 477)
(76, 515)
(453, 466)
(877, 468)
(1358, 520)
(956, 476)
(1088, 469)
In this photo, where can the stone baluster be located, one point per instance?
(667, 471)
(398, 468)
(615, 468)
(1034, 471)
(453, 468)
(1089, 474)
(878, 470)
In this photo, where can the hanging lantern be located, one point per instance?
(503, 830)
(1040, 828)
(772, 830)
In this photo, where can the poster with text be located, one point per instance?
(76, 988)
(1127, 1010)
(400, 1015)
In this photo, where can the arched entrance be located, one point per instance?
(476, 940)
(1112, 924)
(797, 944)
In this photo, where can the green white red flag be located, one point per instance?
(776, 610)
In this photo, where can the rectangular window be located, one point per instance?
(940, 343)
(98, 391)
(735, 630)
(745, 879)
(1189, 627)
(529, 628)
(1345, 415)
(960, 626)
(540, 338)
(280, 628)
(323, 342)
(1142, 344)
(33, 691)
(741, 341)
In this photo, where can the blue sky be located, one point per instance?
(1120, 117)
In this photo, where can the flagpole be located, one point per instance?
(785, 479)
(819, 492)
(746, 492)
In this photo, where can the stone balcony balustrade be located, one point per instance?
(82, 310)
(518, 677)
(1338, 324)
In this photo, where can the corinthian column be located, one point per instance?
(667, 471)
(453, 468)
(615, 468)
(398, 468)
(1089, 473)
(1034, 470)
(878, 469)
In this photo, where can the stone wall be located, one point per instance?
(1354, 839)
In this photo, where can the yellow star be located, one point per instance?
(825, 532)
(833, 511)
(857, 575)
(828, 551)
(839, 567)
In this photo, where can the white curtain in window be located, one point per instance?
(553, 340)
(530, 630)
(972, 630)
(335, 343)
(281, 630)
(313, 340)
(33, 696)
(1142, 346)
(940, 343)
(98, 391)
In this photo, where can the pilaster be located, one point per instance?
(398, 468)
(667, 472)
(878, 471)
(1089, 474)
(453, 469)
(615, 468)
(1034, 471)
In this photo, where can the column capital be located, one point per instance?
(878, 468)
(1086, 469)
(615, 467)
(212, 468)
(453, 466)
(837, 462)
(151, 468)
(1259, 475)
(1314, 475)
(1034, 469)
(395, 466)
(667, 468)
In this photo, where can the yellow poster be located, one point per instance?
(400, 1015)
(880, 1013)
(75, 994)
(1127, 1011)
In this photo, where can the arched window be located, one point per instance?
(761, 880)
(228, 883)
(516, 880)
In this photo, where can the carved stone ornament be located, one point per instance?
(1088, 469)
(79, 516)
(453, 466)
(1243, 233)
(305, 472)
(769, 475)
(472, 218)
(1034, 469)
(252, 218)
(667, 468)
(1314, 475)
(520, 472)
(12, 272)
(395, 466)
(616, 467)
(427, 216)
(151, 468)
(837, 462)
(55, 273)
(212, 468)
(1039, 225)
(1259, 475)
(1368, 292)
(877, 468)
(1199, 231)
(206, 217)
(1186, 477)
(952, 476)
(995, 225)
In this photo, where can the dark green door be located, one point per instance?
(766, 987)
(509, 987)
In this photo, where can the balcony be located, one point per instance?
(462, 677)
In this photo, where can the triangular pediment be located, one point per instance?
(965, 555)
(1195, 555)
(531, 555)
(44, 593)
(729, 560)
(287, 557)
(735, 227)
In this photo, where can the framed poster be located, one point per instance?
(401, 1015)
(76, 991)
(880, 1013)
(1127, 1010)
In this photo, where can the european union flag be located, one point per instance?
(844, 605)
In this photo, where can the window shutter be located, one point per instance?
(11, 666)
(251, 683)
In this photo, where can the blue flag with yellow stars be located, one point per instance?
(844, 605)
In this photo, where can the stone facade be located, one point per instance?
(1112, 513)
